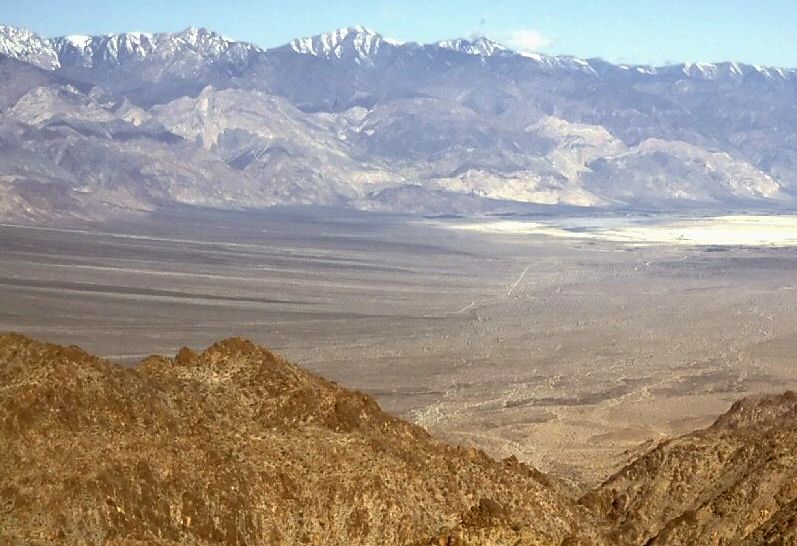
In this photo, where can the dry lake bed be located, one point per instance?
(529, 336)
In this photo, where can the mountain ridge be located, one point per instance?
(327, 45)
(732, 483)
(86, 50)
(235, 445)
(351, 119)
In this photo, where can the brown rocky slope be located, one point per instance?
(733, 483)
(237, 446)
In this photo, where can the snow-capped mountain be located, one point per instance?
(87, 51)
(28, 47)
(349, 118)
(354, 43)
(117, 49)
(730, 71)
(357, 44)
(483, 47)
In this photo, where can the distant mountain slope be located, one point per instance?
(69, 155)
(363, 118)
(18, 78)
(237, 446)
(145, 66)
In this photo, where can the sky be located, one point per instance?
(623, 31)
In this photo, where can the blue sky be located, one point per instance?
(634, 31)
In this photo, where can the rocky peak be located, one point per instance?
(28, 47)
(356, 43)
(198, 449)
(277, 391)
(117, 49)
(760, 411)
(87, 51)
(482, 46)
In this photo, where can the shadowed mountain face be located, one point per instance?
(236, 446)
(352, 119)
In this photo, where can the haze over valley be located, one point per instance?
(519, 343)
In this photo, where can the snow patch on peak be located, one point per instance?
(78, 40)
(536, 57)
(773, 73)
(193, 32)
(110, 48)
(483, 47)
(358, 43)
(26, 46)
(198, 44)
(563, 62)
(706, 71)
(197, 36)
(729, 70)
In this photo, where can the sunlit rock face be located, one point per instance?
(234, 445)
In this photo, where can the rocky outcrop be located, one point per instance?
(733, 483)
(236, 446)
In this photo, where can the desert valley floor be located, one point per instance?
(567, 351)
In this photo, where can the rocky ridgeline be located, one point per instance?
(237, 446)
(93, 127)
(732, 483)
(234, 445)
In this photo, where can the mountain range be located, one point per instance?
(234, 445)
(95, 126)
